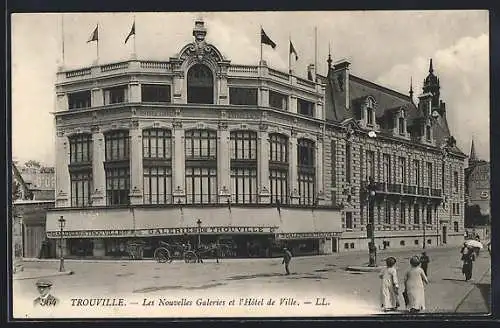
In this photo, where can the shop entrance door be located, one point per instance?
(334, 245)
(444, 235)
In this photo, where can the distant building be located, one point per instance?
(477, 182)
(29, 209)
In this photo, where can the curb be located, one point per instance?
(462, 300)
(55, 274)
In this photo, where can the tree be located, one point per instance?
(16, 190)
(474, 217)
(32, 163)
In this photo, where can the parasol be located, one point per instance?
(473, 243)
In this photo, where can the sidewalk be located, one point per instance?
(478, 298)
(39, 273)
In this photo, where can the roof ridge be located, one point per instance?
(394, 92)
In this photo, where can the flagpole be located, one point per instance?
(135, 35)
(97, 43)
(62, 37)
(289, 54)
(260, 34)
(315, 53)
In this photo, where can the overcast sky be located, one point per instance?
(385, 47)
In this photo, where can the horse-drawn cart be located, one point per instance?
(167, 252)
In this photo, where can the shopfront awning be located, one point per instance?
(309, 224)
(91, 223)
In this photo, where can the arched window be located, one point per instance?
(278, 167)
(157, 161)
(201, 166)
(244, 166)
(200, 85)
(306, 171)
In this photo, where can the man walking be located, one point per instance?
(287, 257)
(424, 262)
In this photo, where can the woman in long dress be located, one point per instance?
(389, 286)
(414, 286)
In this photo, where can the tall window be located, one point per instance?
(402, 170)
(244, 166)
(387, 219)
(429, 175)
(117, 167)
(370, 163)
(348, 171)
(401, 125)
(243, 96)
(428, 133)
(79, 100)
(455, 181)
(117, 186)
(117, 145)
(402, 214)
(201, 166)
(455, 226)
(416, 214)
(81, 188)
(386, 159)
(80, 148)
(157, 162)
(370, 111)
(155, 93)
(278, 167)
(80, 169)
(348, 220)
(306, 171)
(278, 100)
(305, 107)
(200, 84)
(416, 172)
(429, 214)
(116, 95)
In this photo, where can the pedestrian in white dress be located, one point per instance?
(389, 286)
(414, 286)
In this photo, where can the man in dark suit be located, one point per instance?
(45, 298)
(287, 257)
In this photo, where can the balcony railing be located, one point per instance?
(397, 188)
(394, 188)
(436, 192)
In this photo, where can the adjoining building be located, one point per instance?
(199, 147)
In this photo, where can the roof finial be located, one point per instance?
(430, 67)
(329, 61)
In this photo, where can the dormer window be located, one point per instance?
(401, 123)
(428, 133)
(370, 111)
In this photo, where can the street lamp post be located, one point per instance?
(372, 249)
(199, 232)
(61, 225)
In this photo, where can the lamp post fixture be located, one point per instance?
(370, 229)
(62, 222)
(199, 232)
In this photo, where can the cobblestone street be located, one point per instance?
(322, 281)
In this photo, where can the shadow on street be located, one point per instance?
(485, 290)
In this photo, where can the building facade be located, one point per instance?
(198, 147)
(478, 182)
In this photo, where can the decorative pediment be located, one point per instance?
(200, 51)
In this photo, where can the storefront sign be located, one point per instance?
(307, 235)
(161, 232)
(205, 230)
(91, 233)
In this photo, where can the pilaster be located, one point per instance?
(136, 167)
(62, 102)
(263, 160)
(224, 163)
(179, 165)
(135, 95)
(63, 181)
(98, 173)
(294, 185)
(97, 97)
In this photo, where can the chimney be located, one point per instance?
(341, 73)
(311, 72)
